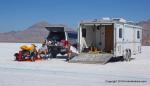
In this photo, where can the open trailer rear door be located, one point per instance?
(55, 28)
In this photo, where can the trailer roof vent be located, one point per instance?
(132, 22)
(106, 18)
(95, 20)
(119, 20)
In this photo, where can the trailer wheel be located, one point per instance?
(126, 55)
(129, 55)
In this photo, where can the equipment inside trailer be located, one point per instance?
(97, 37)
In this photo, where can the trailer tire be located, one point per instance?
(129, 55)
(126, 55)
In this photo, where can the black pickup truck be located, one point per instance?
(59, 39)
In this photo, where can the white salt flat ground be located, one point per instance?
(57, 72)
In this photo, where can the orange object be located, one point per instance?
(28, 47)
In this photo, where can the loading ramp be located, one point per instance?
(92, 58)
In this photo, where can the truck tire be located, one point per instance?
(54, 55)
(62, 53)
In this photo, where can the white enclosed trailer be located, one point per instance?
(115, 36)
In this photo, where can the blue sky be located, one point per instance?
(20, 14)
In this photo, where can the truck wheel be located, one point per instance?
(54, 55)
(62, 53)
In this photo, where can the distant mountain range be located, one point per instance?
(37, 33)
(145, 32)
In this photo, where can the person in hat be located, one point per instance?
(43, 51)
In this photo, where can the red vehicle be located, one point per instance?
(27, 53)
